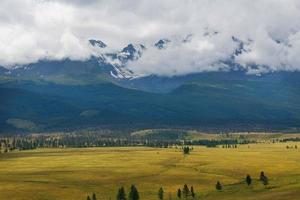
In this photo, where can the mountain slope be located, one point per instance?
(225, 100)
(101, 92)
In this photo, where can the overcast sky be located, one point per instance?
(56, 29)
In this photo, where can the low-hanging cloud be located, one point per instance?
(55, 29)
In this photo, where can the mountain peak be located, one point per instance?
(162, 43)
(97, 43)
(241, 46)
(132, 51)
(133, 48)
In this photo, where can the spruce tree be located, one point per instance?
(248, 179)
(133, 194)
(192, 192)
(121, 194)
(161, 194)
(185, 191)
(263, 178)
(186, 150)
(218, 186)
(179, 193)
(262, 174)
(94, 197)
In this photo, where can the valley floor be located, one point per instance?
(72, 174)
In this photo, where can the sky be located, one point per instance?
(56, 29)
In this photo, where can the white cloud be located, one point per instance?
(200, 54)
(55, 29)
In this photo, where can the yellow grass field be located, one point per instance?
(72, 174)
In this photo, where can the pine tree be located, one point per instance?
(186, 150)
(185, 191)
(262, 175)
(179, 193)
(121, 194)
(218, 186)
(248, 179)
(263, 178)
(94, 197)
(161, 194)
(192, 192)
(133, 194)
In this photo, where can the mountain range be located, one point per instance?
(101, 91)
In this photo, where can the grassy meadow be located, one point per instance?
(72, 174)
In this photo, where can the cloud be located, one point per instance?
(54, 29)
(200, 54)
(33, 30)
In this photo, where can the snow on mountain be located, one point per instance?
(97, 43)
(242, 46)
(115, 63)
(162, 43)
(118, 60)
(131, 52)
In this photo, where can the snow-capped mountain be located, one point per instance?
(242, 46)
(162, 43)
(113, 64)
(131, 52)
(97, 43)
(118, 60)
(103, 63)
(104, 82)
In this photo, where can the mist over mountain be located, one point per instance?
(201, 35)
(68, 65)
(103, 91)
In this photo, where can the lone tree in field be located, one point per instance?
(186, 150)
(121, 194)
(161, 194)
(218, 186)
(192, 192)
(88, 198)
(133, 194)
(248, 179)
(185, 191)
(94, 197)
(179, 193)
(263, 178)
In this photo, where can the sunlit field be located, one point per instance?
(72, 174)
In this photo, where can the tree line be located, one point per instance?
(28, 142)
(185, 192)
